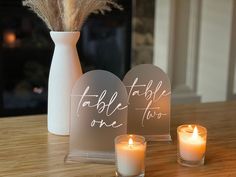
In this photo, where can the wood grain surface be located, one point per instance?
(27, 149)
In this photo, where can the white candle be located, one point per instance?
(192, 143)
(130, 155)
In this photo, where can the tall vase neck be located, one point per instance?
(61, 37)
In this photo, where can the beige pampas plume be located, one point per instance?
(68, 15)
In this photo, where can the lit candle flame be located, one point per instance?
(195, 133)
(130, 142)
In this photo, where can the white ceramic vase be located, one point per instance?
(65, 70)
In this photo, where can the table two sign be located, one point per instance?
(149, 94)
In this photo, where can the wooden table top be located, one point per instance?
(27, 149)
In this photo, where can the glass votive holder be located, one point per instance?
(191, 145)
(130, 153)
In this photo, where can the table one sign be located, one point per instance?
(102, 107)
(98, 115)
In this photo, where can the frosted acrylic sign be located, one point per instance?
(149, 94)
(98, 115)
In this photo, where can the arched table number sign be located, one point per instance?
(149, 94)
(98, 115)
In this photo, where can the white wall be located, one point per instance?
(163, 34)
(198, 48)
(214, 49)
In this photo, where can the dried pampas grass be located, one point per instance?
(68, 15)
